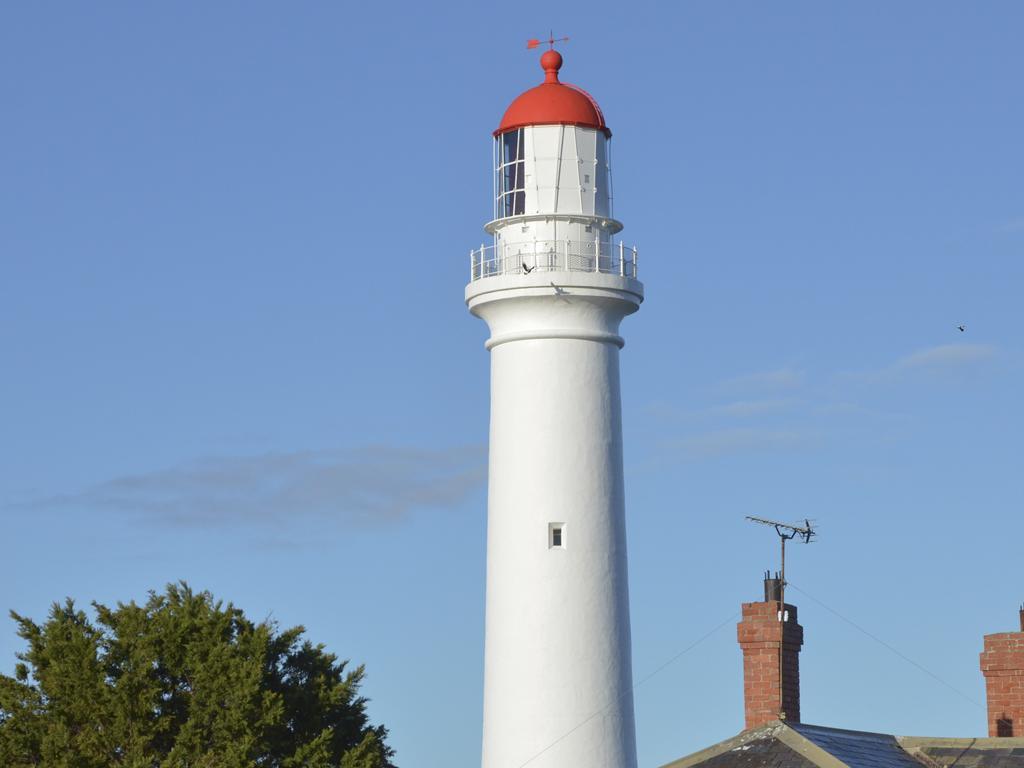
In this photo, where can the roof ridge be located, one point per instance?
(851, 731)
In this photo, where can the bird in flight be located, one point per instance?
(527, 270)
(962, 328)
(559, 290)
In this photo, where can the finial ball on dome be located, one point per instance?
(551, 61)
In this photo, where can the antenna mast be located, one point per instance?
(785, 532)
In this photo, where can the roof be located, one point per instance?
(966, 753)
(858, 749)
(801, 745)
(553, 103)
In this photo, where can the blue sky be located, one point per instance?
(234, 350)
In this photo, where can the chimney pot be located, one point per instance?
(772, 587)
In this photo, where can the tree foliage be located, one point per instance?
(180, 682)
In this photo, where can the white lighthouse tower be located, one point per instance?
(553, 288)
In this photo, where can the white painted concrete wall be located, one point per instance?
(558, 681)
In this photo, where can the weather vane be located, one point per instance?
(535, 43)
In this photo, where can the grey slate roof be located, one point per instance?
(966, 753)
(858, 749)
(759, 748)
(800, 745)
(760, 753)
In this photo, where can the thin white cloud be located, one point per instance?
(746, 408)
(857, 411)
(366, 487)
(781, 378)
(946, 356)
(727, 442)
(939, 361)
(737, 409)
(1013, 225)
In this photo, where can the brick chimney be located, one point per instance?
(760, 634)
(1002, 663)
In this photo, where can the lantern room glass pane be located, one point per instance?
(511, 172)
(511, 180)
(512, 149)
(513, 203)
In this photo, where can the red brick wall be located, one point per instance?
(1002, 663)
(759, 635)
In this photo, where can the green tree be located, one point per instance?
(180, 682)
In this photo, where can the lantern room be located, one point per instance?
(552, 169)
(552, 186)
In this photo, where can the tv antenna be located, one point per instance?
(786, 532)
(535, 43)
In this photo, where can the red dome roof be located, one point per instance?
(553, 103)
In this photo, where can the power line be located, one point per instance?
(675, 657)
(884, 644)
(635, 685)
(686, 650)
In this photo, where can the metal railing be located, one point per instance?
(552, 256)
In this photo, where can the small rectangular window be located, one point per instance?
(556, 535)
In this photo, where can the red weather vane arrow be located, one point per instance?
(534, 43)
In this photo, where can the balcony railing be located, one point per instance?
(552, 256)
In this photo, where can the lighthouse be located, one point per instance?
(553, 286)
